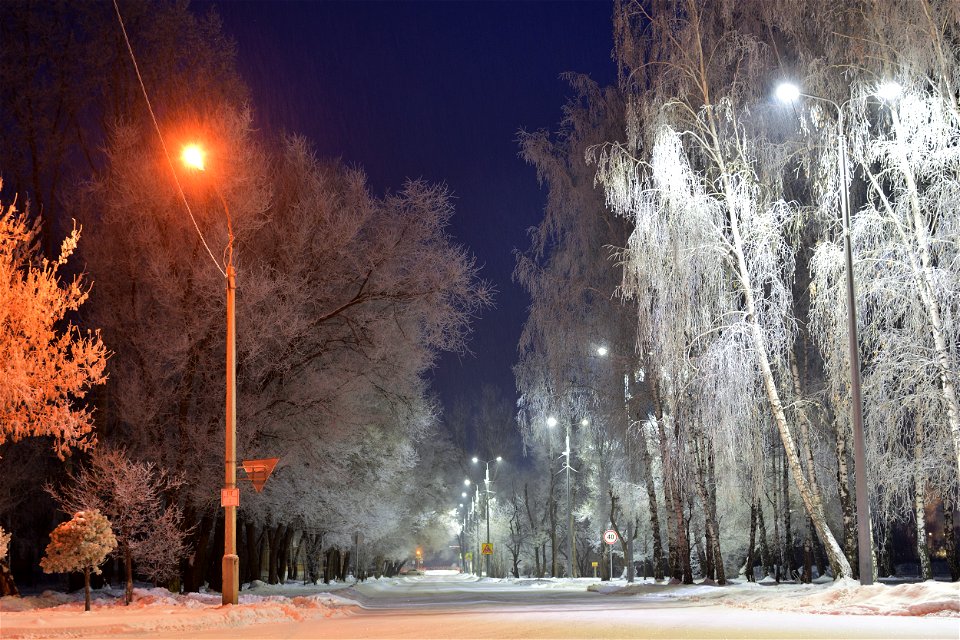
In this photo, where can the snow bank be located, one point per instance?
(848, 597)
(61, 615)
(843, 597)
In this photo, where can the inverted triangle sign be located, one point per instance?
(259, 470)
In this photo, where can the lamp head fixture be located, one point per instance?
(192, 157)
(889, 91)
(787, 92)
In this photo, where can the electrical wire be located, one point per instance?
(163, 144)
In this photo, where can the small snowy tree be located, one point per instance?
(48, 364)
(80, 544)
(133, 496)
(7, 586)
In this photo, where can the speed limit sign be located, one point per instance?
(610, 536)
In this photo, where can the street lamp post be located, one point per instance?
(571, 550)
(193, 157)
(476, 530)
(631, 570)
(789, 93)
(486, 502)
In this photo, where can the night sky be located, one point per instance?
(431, 90)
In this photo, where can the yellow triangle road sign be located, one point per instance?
(259, 470)
(486, 548)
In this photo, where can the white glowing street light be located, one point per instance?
(888, 91)
(602, 351)
(193, 157)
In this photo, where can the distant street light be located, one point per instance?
(601, 351)
(888, 91)
(193, 158)
(486, 504)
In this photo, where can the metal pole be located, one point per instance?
(476, 524)
(231, 562)
(486, 484)
(864, 549)
(570, 558)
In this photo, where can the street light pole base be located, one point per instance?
(231, 579)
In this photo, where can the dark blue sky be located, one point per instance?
(434, 90)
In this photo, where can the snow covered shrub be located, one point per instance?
(80, 544)
(133, 495)
(7, 585)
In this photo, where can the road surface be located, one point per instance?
(461, 607)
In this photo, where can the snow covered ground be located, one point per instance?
(455, 606)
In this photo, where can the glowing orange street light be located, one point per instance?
(192, 156)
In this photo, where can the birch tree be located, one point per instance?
(686, 68)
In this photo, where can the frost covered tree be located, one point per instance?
(67, 79)
(903, 154)
(571, 277)
(80, 544)
(49, 364)
(135, 497)
(705, 189)
(344, 300)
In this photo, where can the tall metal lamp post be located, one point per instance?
(486, 502)
(789, 93)
(571, 550)
(193, 157)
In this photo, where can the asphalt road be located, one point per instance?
(457, 607)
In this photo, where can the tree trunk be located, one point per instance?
(195, 573)
(283, 554)
(669, 496)
(128, 569)
(807, 575)
(706, 483)
(950, 536)
(328, 565)
(344, 566)
(764, 547)
(919, 510)
(685, 545)
(751, 541)
(215, 563)
(278, 550)
(846, 499)
(86, 588)
(746, 289)
(787, 534)
(8, 587)
(647, 465)
(253, 551)
(775, 502)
